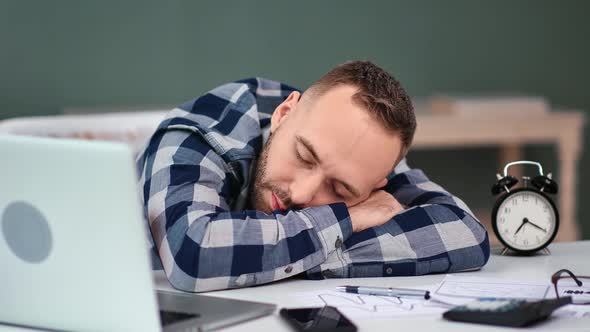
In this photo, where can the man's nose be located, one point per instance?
(304, 187)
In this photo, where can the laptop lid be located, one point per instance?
(72, 245)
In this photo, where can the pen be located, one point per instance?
(383, 291)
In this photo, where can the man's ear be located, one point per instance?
(381, 183)
(282, 111)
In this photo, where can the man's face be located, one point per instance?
(322, 151)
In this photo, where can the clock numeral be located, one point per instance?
(502, 220)
(507, 210)
(525, 198)
(525, 242)
(514, 202)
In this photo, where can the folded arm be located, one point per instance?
(202, 245)
(437, 233)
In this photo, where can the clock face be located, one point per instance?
(526, 220)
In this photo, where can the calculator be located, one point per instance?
(505, 312)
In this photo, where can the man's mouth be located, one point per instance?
(276, 202)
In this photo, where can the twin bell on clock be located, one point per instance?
(524, 218)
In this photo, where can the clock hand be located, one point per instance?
(537, 226)
(524, 221)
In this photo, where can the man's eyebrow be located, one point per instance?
(307, 144)
(350, 188)
(309, 148)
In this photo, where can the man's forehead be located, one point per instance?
(333, 99)
(351, 144)
(336, 120)
(335, 114)
(362, 148)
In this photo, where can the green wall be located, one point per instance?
(58, 54)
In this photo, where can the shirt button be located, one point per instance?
(389, 270)
(289, 269)
(338, 243)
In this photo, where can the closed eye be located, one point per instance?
(311, 164)
(300, 158)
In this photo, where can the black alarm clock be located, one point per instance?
(525, 219)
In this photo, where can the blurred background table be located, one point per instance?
(564, 129)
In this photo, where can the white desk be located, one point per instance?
(571, 255)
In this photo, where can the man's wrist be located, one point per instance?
(332, 221)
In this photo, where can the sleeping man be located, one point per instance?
(256, 181)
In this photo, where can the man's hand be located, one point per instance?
(376, 210)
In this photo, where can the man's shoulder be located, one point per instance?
(231, 117)
(241, 96)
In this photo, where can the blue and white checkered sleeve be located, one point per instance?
(202, 245)
(437, 233)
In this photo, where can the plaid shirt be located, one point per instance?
(195, 174)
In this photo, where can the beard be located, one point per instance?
(261, 182)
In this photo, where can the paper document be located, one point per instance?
(453, 290)
(573, 311)
(460, 290)
(357, 306)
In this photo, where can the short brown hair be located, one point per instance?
(378, 91)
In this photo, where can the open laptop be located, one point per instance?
(73, 250)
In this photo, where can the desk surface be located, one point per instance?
(571, 255)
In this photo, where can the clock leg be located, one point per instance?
(504, 251)
(544, 251)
